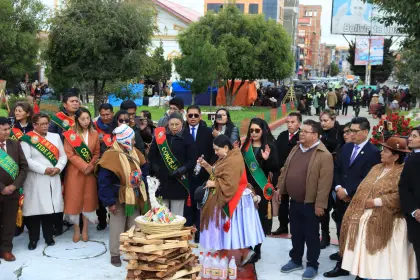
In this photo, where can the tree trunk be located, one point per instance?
(98, 95)
(193, 99)
(87, 97)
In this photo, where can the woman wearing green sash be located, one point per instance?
(260, 155)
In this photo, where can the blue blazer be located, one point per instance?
(350, 176)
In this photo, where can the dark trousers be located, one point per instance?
(341, 208)
(266, 223)
(192, 213)
(338, 108)
(304, 227)
(58, 221)
(101, 213)
(413, 228)
(325, 220)
(33, 224)
(284, 211)
(8, 211)
(357, 110)
(345, 109)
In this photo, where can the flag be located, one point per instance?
(36, 107)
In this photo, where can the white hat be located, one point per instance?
(395, 102)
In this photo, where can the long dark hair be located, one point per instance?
(267, 137)
(79, 112)
(116, 116)
(229, 124)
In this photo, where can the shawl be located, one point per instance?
(123, 165)
(381, 223)
(226, 174)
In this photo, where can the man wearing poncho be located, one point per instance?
(121, 188)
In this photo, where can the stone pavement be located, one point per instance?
(84, 261)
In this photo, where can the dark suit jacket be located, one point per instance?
(283, 148)
(204, 146)
(15, 151)
(409, 189)
(350, 176)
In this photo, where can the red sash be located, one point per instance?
(16, 134)
(104, 137)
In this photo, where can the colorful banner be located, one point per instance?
(376, 54)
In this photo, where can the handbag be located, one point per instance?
(201, 195)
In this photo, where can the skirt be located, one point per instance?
(397, 261)
(245, 228)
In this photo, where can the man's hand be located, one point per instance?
(277, 196)
(49, 171)
(319, 211)
(113, 209)
(417, 215)
(341, 193)
(370, 203)
(8, 190)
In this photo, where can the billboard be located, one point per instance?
(376, 55)
(355, 17)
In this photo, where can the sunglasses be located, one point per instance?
(256, 130)
(196, 116)
(123, 120)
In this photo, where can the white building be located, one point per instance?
(171, 18)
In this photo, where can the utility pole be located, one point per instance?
(368, 65)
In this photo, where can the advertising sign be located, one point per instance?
(355, 17)
(376, 50)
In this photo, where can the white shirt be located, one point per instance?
(5, 149)
(304, 150)
(361, 146)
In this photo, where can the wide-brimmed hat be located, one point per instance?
(395, 102)
(375, 95)
(397, 144)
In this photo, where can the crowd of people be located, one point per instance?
(74, 170)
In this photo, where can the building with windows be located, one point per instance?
(309, 40)
(245, 6)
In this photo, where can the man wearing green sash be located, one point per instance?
(13, 170)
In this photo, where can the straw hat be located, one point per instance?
(397, 144)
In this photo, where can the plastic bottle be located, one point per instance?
(233, 270)
(223, 268)
(215, 267)
(197, 167)
(207, 266)
(201, 262)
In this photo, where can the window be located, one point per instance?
(241, 7)
(214, 7)
(310, 13)
(253, 9)
(315, 13)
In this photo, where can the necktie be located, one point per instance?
(353, 156)
(291, 136)
(193, 132)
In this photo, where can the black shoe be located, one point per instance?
(336, 272)
(325, 242)
(280, 230)
(100, 227)
(57, 232)
(50, 242)
(335, 257)
(18, 231)
(32, 245)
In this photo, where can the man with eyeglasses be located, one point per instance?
(355, 162)
(409, 189)
(306, 177)
(202, 136)
(131, 108)
(176, 104)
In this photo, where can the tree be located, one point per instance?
(20, 22)
(100, 41)
(379, 73)
(334, 69)
(244, 47)
(408, 70)
(159, 69)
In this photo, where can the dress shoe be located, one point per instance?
(116, 261)
(335, 257)
(57, 231)
(280, 230)
(100, 227)
(336, 272)
(18, 231)
(7, 256)
(32, 245)
(50, 242)
(325, 242)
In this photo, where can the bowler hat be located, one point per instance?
(397, 144)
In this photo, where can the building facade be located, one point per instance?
(245, 6)
(309, 39)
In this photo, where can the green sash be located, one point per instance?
(168, 158)
(42, 145)
(8, 164)
(82, 150)
(62, 120)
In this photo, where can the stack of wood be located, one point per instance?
(163, 256)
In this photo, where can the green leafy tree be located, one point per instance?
(334, 69)
(100, 41)
(159, 69)
(244, 47)
(408, 70)
(20, 22)
(379, 73)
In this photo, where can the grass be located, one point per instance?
(413, 123)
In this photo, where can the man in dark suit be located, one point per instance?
(284, 144)
(13, 170)
(355, 162)
(409, 189)
(203, 139)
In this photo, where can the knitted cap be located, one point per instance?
(124, 135)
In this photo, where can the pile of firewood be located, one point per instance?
(164, 256)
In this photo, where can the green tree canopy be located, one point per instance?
(233, 46)
(159, 69)
(379, 73)
(408, 70)
(100, 40)
(334, 69)
(20, 22)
